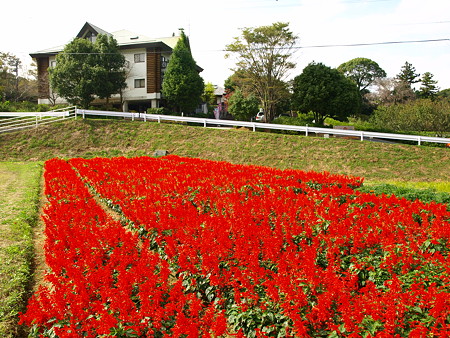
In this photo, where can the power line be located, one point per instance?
(373, 43)
(293, 47)
(356, 44)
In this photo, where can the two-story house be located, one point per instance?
(146, 61)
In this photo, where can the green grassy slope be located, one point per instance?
(377, 162)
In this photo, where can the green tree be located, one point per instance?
(362, 71)
(242, 108)
(408, 74)
(263, 61)
(429, 88)
(110, 71)
(73, 77)
(326, 92)
(85, 70)
(182, 86)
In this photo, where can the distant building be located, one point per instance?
(146, 62)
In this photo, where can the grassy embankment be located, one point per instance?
(407, 166)
(377, 162)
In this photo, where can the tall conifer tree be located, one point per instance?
(182, 86)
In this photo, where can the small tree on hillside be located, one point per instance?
(182, 86)
(326, 92)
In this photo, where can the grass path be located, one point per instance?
(19, 205)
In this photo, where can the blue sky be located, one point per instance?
(212, 24)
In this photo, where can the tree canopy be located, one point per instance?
(182, 86)
(362, 71)
(326, 92)
(111, 75)
(85, 69)
(263, 61)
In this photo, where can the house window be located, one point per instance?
(164, 62)
(91, 37)
(52, 64)
(139, 57)
(139, 83)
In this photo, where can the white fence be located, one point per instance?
(15, 121)
(27, 120)
(362, 135)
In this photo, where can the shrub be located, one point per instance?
(5, 106)
(419, 115)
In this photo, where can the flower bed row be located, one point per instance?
(207, 248)
(103, 279)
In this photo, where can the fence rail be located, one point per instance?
(17, 121)
(13, 121)
(362, 135)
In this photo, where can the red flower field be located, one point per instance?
(186, 247)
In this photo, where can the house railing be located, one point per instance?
(362, 135)
(13, 121)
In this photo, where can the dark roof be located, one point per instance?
(90, 27)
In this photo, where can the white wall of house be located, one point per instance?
(136, 81)
(136, 73)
